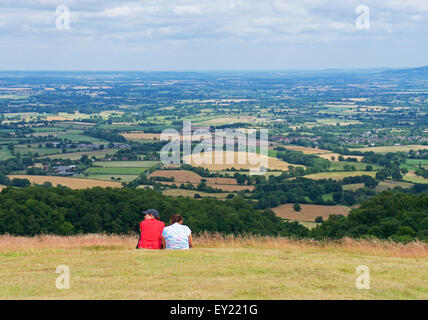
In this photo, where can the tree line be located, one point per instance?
(59, 210)
(45, 209)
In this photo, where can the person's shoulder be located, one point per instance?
(187, 229)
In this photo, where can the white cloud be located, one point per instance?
(226, 23)
(116, 12)
(187, 10)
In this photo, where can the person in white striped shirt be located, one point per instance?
(177, 236)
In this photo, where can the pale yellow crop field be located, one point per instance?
(73, 183)
(305, 150)
(386, 149)
(237, 160)
(329, 156)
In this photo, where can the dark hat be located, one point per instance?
(153, 212)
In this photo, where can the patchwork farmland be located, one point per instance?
(185, 176)
(124, 171)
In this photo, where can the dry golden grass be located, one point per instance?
(305, 150)
(79, 123)
(329, 156)
(388, 248)
(386, 149)
(309, 211)
(358, 99)
(55, 118)
(219, 267)
(73, 183)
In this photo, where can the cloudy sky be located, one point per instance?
(212, 34)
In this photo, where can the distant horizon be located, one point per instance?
(217, 70)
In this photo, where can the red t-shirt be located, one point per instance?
(151, 234)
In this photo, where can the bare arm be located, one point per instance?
(190, 241)
(163, 243)
(138, 243)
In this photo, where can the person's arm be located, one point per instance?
(163, 243)
(190, 241)
(138, 243)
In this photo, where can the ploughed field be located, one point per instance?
(309, 211)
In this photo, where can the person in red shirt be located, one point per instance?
(151, 231)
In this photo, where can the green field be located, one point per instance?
(383, 185)
(327, 197)
(413, 164)
(109, 267)
(5, 153)
(359, 166)
(12, 96)
(24, 150)
(339, 175)
(309, 225)
(116, 170)
(76, 136)
(415, 179)
(78, 155)
(125, 164)
(48, 129)
(107, 177)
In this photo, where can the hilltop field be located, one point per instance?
(108, 267)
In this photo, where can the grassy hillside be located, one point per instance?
(108, 267)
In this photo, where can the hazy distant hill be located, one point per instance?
(411, 72)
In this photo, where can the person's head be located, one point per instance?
(151, 214)
(177, 218)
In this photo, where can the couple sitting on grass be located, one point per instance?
(154, 234)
